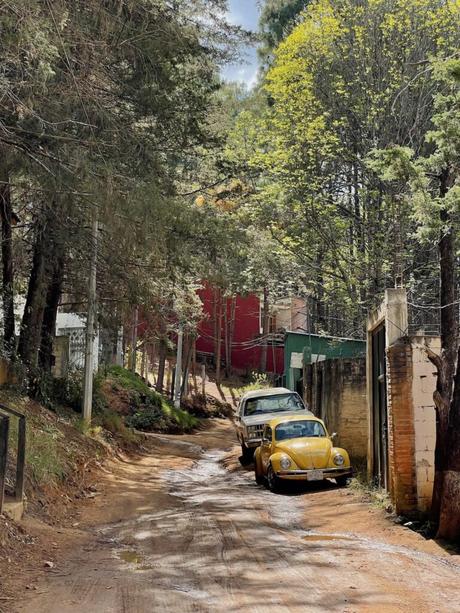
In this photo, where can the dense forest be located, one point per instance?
(334, 178)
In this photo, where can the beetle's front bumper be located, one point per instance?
(328, 473)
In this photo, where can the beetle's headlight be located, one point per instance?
(338, 459)
(285, 462)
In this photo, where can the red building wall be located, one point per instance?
(246, 350)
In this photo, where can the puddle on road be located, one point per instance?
(130, 557)
(327, 537)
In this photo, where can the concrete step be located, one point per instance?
(13, 508)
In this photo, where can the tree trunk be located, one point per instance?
(161, 366)
(134, 340)
(265, 331)
(219, 340)
(32, 320)
(446, 494)
(45, 356)
(449, 514)
(195, 382)
(214, 322)
(231, 333)
(187, 364)
(226, 337)
(7, 262)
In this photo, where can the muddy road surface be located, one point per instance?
(186, 529)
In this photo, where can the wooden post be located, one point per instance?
(195, 382)
(172, 384)
(21, 460)
(143, 361)
(203, 379)
(4, 429)
(178, 372)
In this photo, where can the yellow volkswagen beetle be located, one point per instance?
(299, 448)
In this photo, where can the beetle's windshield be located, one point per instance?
(299, 429)
(273, 404)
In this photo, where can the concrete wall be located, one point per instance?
(61, 356)
(336, 392)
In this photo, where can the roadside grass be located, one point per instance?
(181, 417)
(369, 490)
(45, 462)
(54, 443)
(126, 379)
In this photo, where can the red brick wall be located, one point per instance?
(401, 433)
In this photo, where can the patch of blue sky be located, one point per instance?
(244, 13)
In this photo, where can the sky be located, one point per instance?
(244, 13)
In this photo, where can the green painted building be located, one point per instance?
(301, 348)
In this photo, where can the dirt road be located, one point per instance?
(185, 529)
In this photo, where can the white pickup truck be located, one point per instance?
(259, 407)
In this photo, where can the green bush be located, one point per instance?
(148, 419)
(68, 390)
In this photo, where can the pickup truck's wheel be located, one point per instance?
(247, 454)
(272, 479)
(342, 481)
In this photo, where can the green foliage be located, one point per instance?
(350, 77)
(418, 178)
(277, 18)
(150, 410)
(128, 380)
(183, 419)
(148, 419)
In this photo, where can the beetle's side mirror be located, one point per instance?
(333, 436)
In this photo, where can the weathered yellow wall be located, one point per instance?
(423, 386)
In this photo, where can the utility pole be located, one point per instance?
(178, 373)
(90, 325)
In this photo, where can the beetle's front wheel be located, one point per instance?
(342, 481)
(272, 479)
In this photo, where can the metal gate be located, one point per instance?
(379, 408)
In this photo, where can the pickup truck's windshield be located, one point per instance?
(298, 429)
(273, 404)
